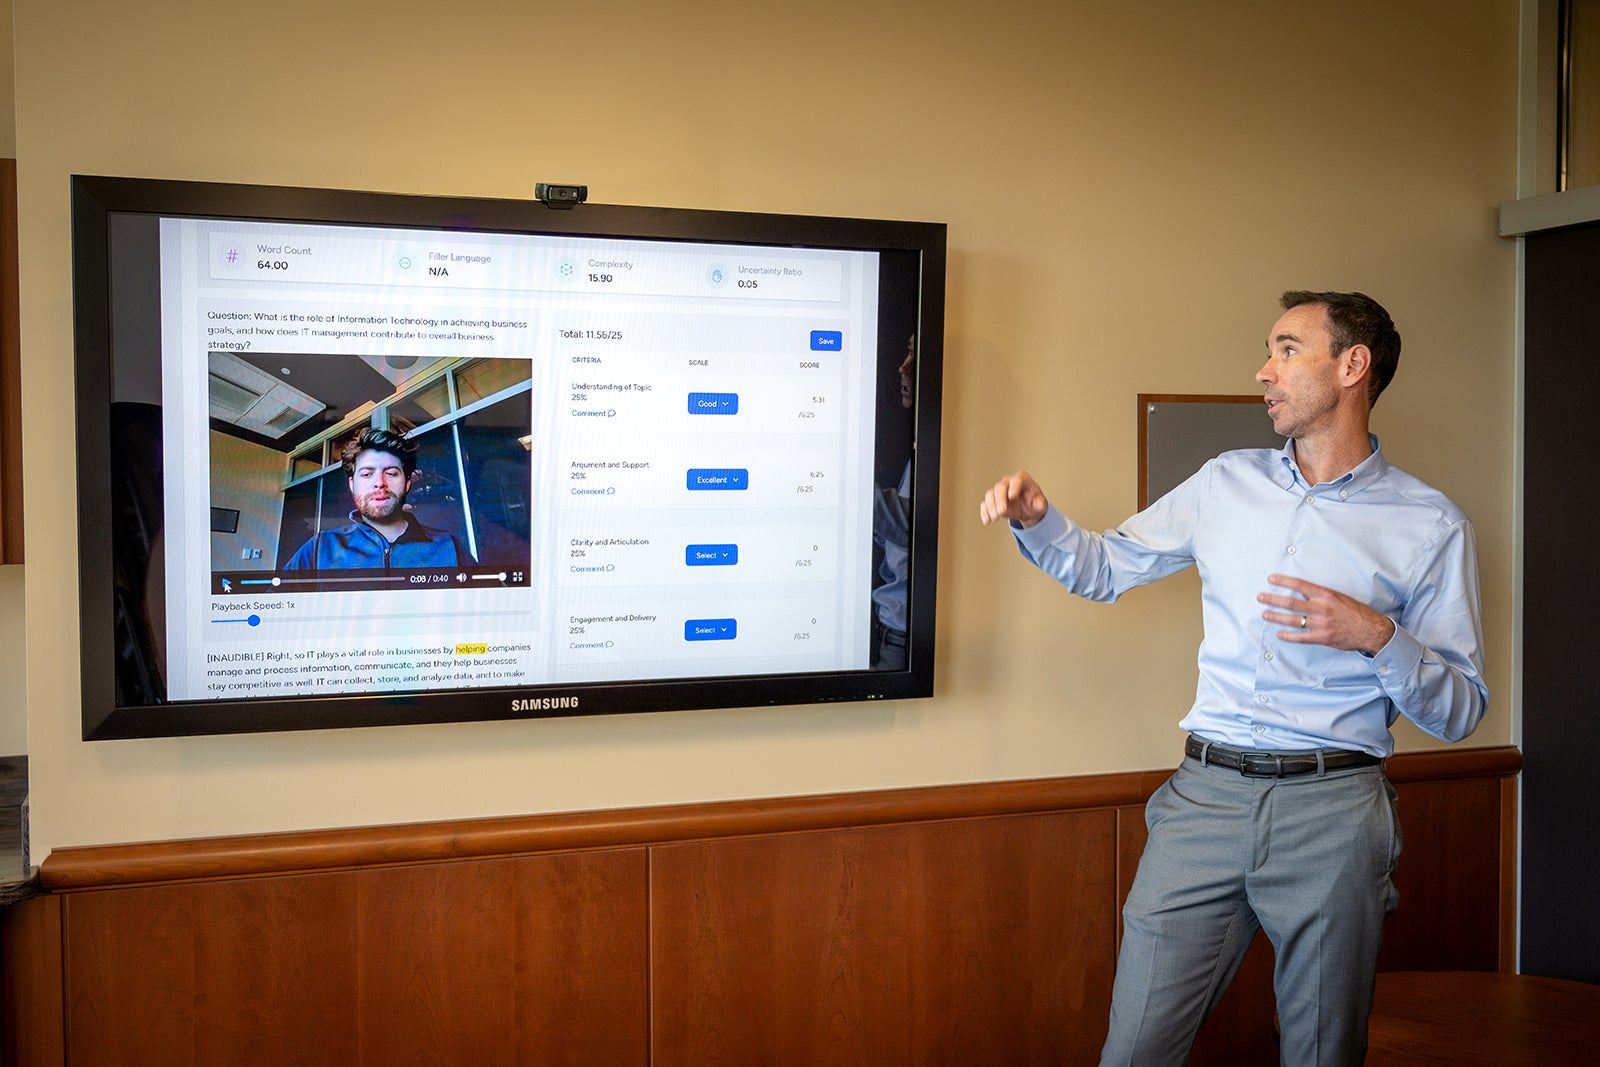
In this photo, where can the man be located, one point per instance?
(1337, 592)
(891, 531)
(380, 466)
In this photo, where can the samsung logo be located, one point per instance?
(544, 703)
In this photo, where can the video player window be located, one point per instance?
(378, 459)
(467, 417)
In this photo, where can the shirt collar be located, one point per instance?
(1348, 484)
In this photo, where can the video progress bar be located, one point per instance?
(318, 581)
(278, 581)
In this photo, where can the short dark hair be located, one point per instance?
(372, 439)
(1357, 319)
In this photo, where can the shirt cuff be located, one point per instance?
(1399, 658)
(1041, 534)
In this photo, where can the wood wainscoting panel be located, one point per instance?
(957, 942)
(32, 1029)
(1449, 878)
(967, 924)
(254, 971)
(531, 960)
(539, 960)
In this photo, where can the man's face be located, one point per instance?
(1300, 379)
(908, 370)
(379, 485)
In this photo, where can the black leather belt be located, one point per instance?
(1275, 764)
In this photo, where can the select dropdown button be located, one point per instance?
(713, 403)
(710, 629)
(713, 479)
(711, 555)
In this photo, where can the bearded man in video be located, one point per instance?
(382, 533)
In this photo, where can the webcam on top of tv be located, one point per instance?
(565, 197)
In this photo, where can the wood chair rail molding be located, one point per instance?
(304, 852)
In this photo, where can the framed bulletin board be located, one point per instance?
(1179, 432)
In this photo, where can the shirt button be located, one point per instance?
(1308, 499)
(1383, 670)
(1260, 729)
(1343, 493)
(1261, 698)
(1291, 550)
(1269, 656)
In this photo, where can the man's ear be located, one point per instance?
(1355, 365)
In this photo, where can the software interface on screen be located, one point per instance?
(634, 459)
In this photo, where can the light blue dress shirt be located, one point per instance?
(1376, 534)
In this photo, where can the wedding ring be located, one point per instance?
(1305, 620)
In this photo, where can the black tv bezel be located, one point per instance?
(95, 199)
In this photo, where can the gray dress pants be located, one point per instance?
(1308, 859)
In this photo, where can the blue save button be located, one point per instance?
(711, 629)
(711, 555)
(712, 478)
(827, 340)
(713, 403)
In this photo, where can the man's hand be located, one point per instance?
(1320, 616)
(1016, 497)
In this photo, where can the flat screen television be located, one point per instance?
(486, 459)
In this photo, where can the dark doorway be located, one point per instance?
(1561, 620)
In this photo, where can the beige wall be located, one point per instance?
(8, 120)
(1127, 188)
(13, 664)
